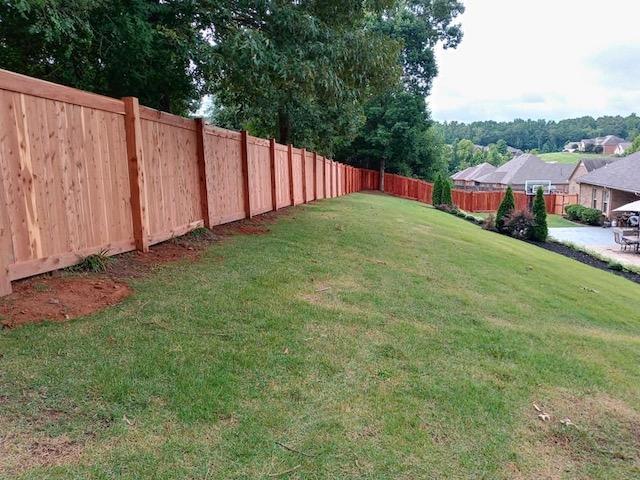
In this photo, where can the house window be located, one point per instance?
(594, 199)
(605, 200)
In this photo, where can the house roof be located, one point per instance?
(623, 174)
(472, 173)
(612, 140)
(592, 164)
(624, 145)
(528, 167)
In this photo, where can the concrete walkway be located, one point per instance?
(598, 240)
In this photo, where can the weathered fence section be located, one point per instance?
(82, 173)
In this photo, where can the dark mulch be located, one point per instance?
(585, 258)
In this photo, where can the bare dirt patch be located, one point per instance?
(582, 433)
(59, 298)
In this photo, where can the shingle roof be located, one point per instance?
(528, 167)
(592, 164)
(471, 173)
(623, 174)
(612, 140)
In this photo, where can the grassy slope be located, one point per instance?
(379, 336)
(566, 157)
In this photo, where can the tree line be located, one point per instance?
(542, 135)
(347, 78)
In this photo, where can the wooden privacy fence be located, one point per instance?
(82, 173)
(470, 201)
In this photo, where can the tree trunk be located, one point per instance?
(283, 128)
(382, 175)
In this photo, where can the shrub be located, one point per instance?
(615, 266)
(461, 214)
(591, 216)
(519, 224)
(540, 229)
(573, 211)
(507, 206)
(489, 223)
(446, 192)
(436, 198)
(471, 218)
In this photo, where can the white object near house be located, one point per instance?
(531, 186)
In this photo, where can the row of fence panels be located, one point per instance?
(83, 173)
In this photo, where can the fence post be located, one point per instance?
(202, 171)
(315, 176)
(332, 177)
(6, 244)
(290, 160)
(324, 177)
(244, 144)
(135, 154)
(274, 189)
(303, 154)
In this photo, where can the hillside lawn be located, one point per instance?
(362, 337)
(567, 157)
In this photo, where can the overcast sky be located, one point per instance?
(535, 59)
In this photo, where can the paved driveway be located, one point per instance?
(584, 236)
(596, 239)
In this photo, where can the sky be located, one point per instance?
(535, 59)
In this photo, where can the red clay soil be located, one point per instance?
(61, 296)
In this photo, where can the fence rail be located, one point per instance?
(82, 173)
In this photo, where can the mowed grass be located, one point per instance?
(362, 337)
(567, 157)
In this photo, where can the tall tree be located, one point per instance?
(397, 127)
(150, 49)
(301, 70)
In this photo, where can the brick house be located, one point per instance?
(584, 166)
(466, 178)
(517, 171)
(612, 185)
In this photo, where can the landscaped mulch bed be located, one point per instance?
(585, 258)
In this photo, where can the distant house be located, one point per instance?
(527, 167)
(612, 185)
(510, 150)
(584, 166)
(467, 177)
(571, 147)
(622, 148)
(606, 145)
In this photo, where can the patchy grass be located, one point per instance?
(361, 337)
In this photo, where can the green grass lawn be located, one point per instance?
(566, 157)
(373, 337)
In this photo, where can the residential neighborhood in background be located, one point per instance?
(607, 145)
(515, 174)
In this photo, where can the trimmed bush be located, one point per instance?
(574, 211)
(591, 216)
(519, 224)
(540, 229)
(436, 198)
(507, 206)
(446, 192)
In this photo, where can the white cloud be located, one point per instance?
(548, 59)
